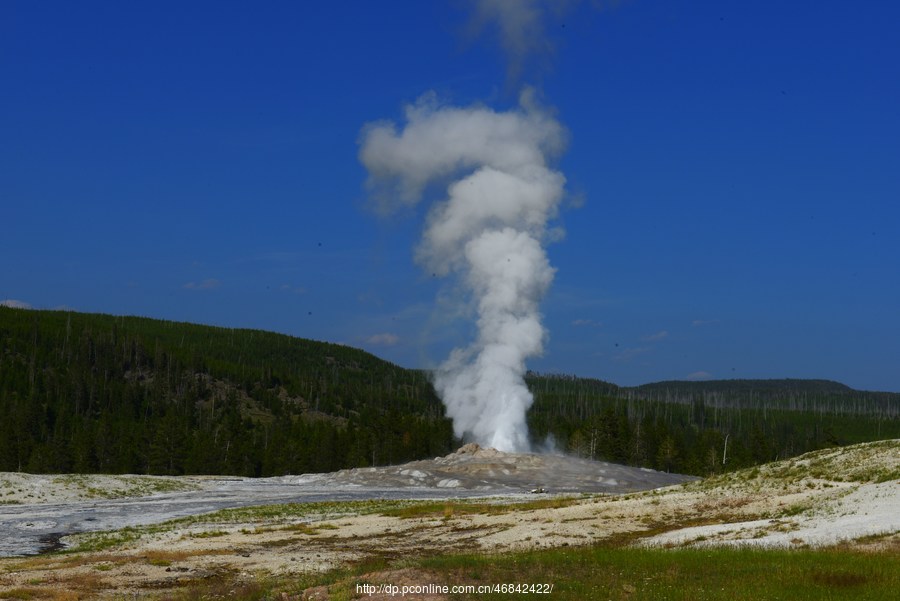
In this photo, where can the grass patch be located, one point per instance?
(100, 541)
(340, 582)
(447, 509)
(207, 534)
(224, 589)
(308, 529)
(618, 574)
(796, 509)
(22, 593)
(708, 574)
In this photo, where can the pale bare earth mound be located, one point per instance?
(33, 489)
(841, 495)
(476, 468)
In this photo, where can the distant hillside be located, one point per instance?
(84, 392)
(790, 394)
(97, 393)
(772, 387)
(686, 426)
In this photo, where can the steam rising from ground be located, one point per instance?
(490, 232)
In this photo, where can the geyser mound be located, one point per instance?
(477, 468)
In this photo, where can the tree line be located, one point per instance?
(705, 427)
(100, 393)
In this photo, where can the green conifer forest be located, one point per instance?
(99, 393)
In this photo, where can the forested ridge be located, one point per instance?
(706, 427)
(96, 393)
(99, 393)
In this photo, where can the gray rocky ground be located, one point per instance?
(39, 511)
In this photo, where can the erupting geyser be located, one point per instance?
(490, 232)
(491, 228)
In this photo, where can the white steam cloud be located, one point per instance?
(491, 228)
(490, 232)
(520, 27)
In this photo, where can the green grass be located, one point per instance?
(207, 534)
(616, 574)
(92, 542)
(21, 593)
(690, 574)
(448, 509)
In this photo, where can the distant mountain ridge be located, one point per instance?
(787, 391)
(792, 385)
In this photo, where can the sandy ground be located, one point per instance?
(848, 496)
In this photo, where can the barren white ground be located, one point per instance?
(848, 496)
(37, 511)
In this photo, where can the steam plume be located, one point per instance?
(520, 27)
(489, 231)
(491, 228)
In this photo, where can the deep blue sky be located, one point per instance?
(737, 167)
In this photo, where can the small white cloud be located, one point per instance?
(293, 289)
(703, 322)
(699, 375)
(630, 353)
(586, 323)
(575, 201)
(385, 339)
(555, 234)
(207, 284)
(15, 304)
(654, 337)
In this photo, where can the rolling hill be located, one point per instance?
(111, 394)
